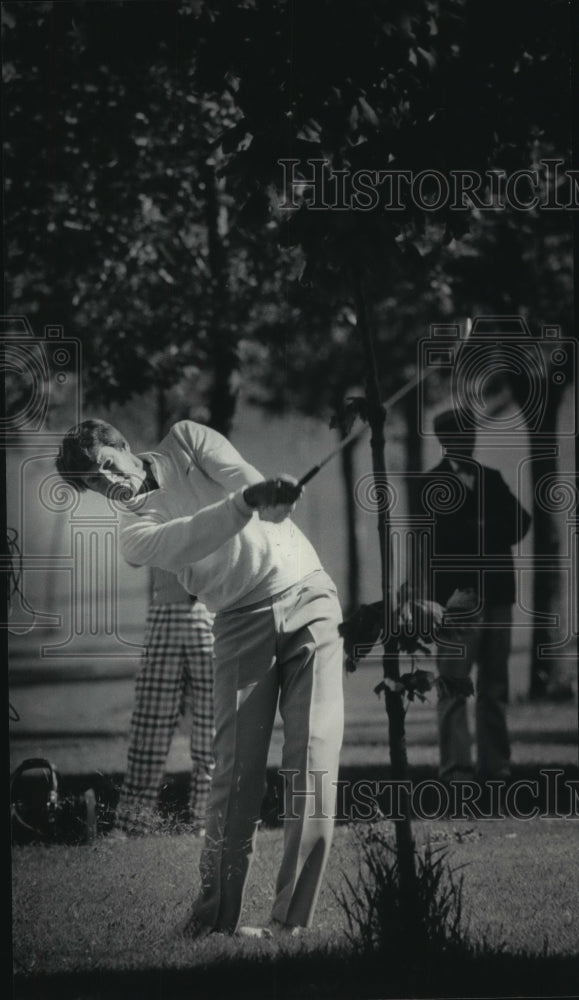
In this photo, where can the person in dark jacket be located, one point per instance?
(472, 576)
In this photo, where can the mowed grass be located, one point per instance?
(117, 906)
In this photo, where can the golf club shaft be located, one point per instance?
(354, 435)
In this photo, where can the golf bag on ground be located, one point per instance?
(39, 813)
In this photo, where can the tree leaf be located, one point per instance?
(348, 413)
(362, 631)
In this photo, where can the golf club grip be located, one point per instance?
(309, 475)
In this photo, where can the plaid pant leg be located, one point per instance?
(199, 700)
(158, 694)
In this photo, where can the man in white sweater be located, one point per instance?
(194, 507)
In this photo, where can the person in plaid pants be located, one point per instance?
(176, 676)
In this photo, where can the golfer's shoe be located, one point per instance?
(287, 930)
(255, 932)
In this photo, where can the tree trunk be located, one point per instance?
(546, 675)
(413, 452)
(353, 600)
(343, 426)
(223, 397)
(162, 412)
(545, 671)
(390, 663)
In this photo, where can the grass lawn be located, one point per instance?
(99, 915)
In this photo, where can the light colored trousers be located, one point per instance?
(287, 648)
(485, 639)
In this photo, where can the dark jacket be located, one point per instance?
(471, 541)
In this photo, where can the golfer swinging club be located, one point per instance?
(194, 507)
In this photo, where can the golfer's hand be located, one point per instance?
(274, 499)
(406, 614)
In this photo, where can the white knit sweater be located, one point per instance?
(198, 526)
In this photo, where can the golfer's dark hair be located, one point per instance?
(76, 456)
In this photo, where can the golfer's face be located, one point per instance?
(116, 467)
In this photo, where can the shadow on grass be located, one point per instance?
(332, 975)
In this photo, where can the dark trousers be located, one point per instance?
(484, 638)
